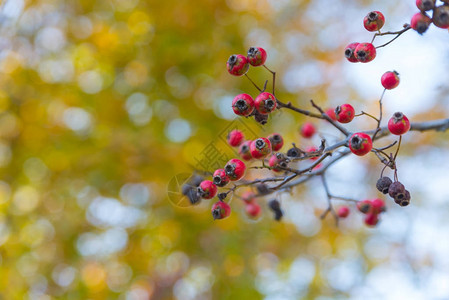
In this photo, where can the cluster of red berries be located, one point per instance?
(244, 105)
(372, 209)
(440, 15)
(238, 64)
(396, 190)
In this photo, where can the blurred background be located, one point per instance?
(107, 105)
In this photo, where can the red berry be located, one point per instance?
(248, 196)
(360, 143)
(364, 206)
(220, 210)
(343, 212)
(378, 206)
(350, 52)
(390, 80)
(344, 113)
(265, 103)
(441, 16)
(253, 210)
(237, 65)
(371, 219)
(277, 160)
(311, 150)
(235, 169)
(307, 130)
(235, 138)
(398, 124)
(243, 105)
(244, 150)
(260, 148)
(257, 56)
(331, 113)
(365, 52)
(420, 22)
(276, 141)
(374, 21)
(220, 178)
(424, 5)
(207, 189)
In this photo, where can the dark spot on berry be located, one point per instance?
(217, 180)
(337, 110)
(241, 105)
(252, 51)
(422, 27)
(276, 137)
(229, 169)
(244, 148)
(293, 152)
(260, 144)
(361, 53)
(349, 53)
(356, 142)
(232, 60)
(372, 16)
(269, 104)
(216, 213)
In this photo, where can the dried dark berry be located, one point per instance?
(260, 118)
(278, 215)
(222, 196)
(397, 190)
(294, 152)
(275, 206)
(383, 184)
(262, 189)
(193, 196)
(406, 200)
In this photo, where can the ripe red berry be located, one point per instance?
(360, 143)
(260, 148)
(235, 169)
(425, 5)
(365, 52)
(237, 65)
(374, 21)
(331, 113)
(243, 105)
(253, 210)
(257, 56)
(276, 141)
(244, 150)
(398, 124)
(420, 22)
(220, 178)
(390, 80)
(344, 113)
(207, 189)
(343, 212)
(307, 130)
(248, 196)
(277, 160)
(350, 52)
(371, 219)
(378, 206)
(441, 16)
(364, 206)
(265, 103)
(220, 210)
(235, 138)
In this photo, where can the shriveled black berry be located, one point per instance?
(260, 118)
(262, 189)
(293, 152)
(222, 196)
(278, 215)
(383, 184)
(397, 190)
(275, 206)
(193, 196)
(406, 200)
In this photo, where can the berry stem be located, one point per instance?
(330, 208)
(255, 85)
(398, 34)
(380, 115)
(326, 117)
(274, 78)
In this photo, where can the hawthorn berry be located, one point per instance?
(276, 141)
(441, 16)
(398, 124)
(220, 210)
(344, 113)
(331, 113)
(235, 138)
(256, 56)
(343, 212)
(235, 169)
(383, 184)
(307, 130)
(294, 152)
(237, 65)
(365, 52)
(420, 22)
(248, 196)
(275, 206)
(390, 80)
(260, 148)
(253, 210)
(405, 201)
(220, 178)
(360, 143)
(371, 219)
(425, 5)
(397, 191)
(350, 52)
(364, 206)
(374, 21)
(378, 206)
(243, 105)
(277, 159)
(244, 150)
(265, 103)
(207, 189)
